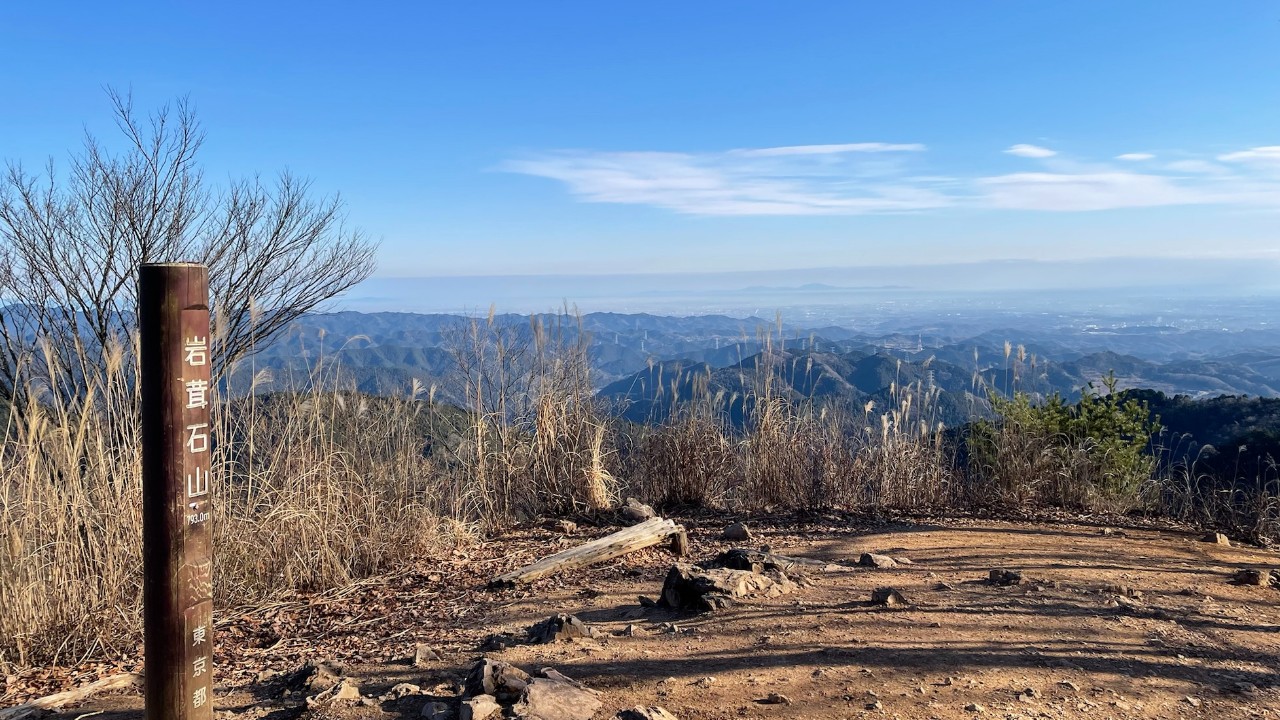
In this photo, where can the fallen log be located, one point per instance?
(637, 537)
(57, 700)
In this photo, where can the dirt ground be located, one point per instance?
(1132, 623)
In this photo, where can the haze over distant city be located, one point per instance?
(633, 157)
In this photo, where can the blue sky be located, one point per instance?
(522, 138)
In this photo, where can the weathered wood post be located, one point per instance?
(173, 325)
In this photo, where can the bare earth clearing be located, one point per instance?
(1125, 624)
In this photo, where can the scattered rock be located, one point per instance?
(1192, 701)
(503, 681)
(775, 699)
(875, 705)
(882, 562)
(888, 597)
(1251, 576)
(345, 690)
(436, 710)
(560, 627)
(1241, 687)
(638, 712)
(424, 655)
(974, 707)
(1123, 591)
(694, 588)
(499, 642)
(738, 532)
(1027, 694)
(1069, 685)
(400, 690)
(479, 707)
(635, 511)
(316, 675)
(556, 697)
(759, 561)
(1217, 538)
(1000, 576)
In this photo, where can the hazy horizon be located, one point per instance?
(691, 293)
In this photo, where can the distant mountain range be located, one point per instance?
(639, 360)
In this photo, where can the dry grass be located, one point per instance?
(319, 487)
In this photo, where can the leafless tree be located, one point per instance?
(70, 247)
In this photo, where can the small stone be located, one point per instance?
(1217, 538)
(1123, 591)
(498, 679)
(737, 532)
(344, 690)
(888, 597)
(1192, 701)
(436, 710)
(560, 627)
(653, 712)
(424, 655)
(1000, 576)
(479, 707)
(974, 707)
(705, 682)
(1251, 576)
(1241, 688)
(554, 696)
(317, 675)
(635, 511)
(882, 562)
(775, 699)
(1069, 685)
(875, 705)
(499, 642)
(400, 690)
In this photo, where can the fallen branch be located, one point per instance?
(57, 700)
(637, 537)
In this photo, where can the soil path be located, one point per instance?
(1126, 624)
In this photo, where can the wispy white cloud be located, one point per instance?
(1269, 154)
(877, 178)
(1085, 191)
(1200, 167)
(799, 180)
(831, 149)
(1031, 151)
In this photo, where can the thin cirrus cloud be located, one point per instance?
(1031, 151)
(880, 178)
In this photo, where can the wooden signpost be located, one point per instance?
(173, 325)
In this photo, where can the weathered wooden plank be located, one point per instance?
(628, 540)
(40, 706)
